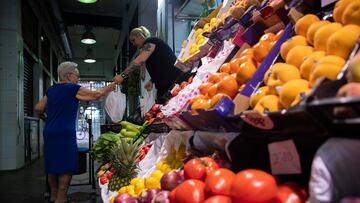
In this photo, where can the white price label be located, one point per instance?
(258, 120)
(284, 158)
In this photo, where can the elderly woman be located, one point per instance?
(59, 109)
(158, 58)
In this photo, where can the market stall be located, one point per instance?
(247, 126)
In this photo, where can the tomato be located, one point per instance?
(286, 194)
(190, 191)
(103, 180)
(290, 193)
(218, 199)
(198, 168)
(172, 196)
(112, 170)
(190, 79)
(183, 84)
(219, 182)
(253, 186)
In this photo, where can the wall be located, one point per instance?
(11, 101)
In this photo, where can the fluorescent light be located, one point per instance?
(87, 1)
(88, 41)
(89, 60)
(88, 37)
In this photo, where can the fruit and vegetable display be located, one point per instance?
(287, 66)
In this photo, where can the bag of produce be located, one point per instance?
(115, 105)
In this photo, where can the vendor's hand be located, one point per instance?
(148, 86)
(118, 79)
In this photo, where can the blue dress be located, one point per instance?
(60, 147)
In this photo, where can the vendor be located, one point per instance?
(159, 60)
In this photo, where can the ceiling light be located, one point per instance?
(88, 37)
(89, 58)
(87, 1)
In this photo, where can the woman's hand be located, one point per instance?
(118, 79)
(148, 86)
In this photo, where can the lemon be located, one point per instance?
(122, 190)
(130, 188)
(212, 21)
(198, 32)
(139, 187)
(134, 181)
(157, 174)
(151, 182)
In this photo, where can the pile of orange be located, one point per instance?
(233, 75)
(319, 49)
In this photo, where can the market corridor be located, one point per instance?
(28, 185)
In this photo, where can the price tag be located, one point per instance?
(284, 158)
(258, 120)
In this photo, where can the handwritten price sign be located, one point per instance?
(284, 158)
(257, 120)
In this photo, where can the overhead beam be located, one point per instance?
(93, 20)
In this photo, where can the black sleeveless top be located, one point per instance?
(160, 64)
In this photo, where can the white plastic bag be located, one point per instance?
(147, 101)
(115, 105)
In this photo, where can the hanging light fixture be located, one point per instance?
(87, 1)
(89, 58)
(88, 37)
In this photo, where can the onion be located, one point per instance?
(170, 180)
(125, 198)
(148, 195)
(161, 197)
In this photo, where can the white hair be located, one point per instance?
(65, 68)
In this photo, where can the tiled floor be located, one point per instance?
(28, 185)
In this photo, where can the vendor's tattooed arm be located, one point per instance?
(145, 53)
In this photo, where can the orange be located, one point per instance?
(200, 104)
(199, 96)
(280, 74)
(247, 51)
(351, 13)
(216, 98)
(300, 96)
(212, 90)
(268, 103)
(228, 86)
(303, 24)
(322, 35)
(267, 76)
(235, 63)
(291, 43)
(342, 42)
(308, 64)
(261, 50)
(313, 29)
(331, 59)
(329, 71)
(297, 55)
(204, 87)
(257, 95)
(268, 37)
(216, 77)
(339, 9)
(225, 68)
(246, 71)
(290, 90)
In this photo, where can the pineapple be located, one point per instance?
(123, 158)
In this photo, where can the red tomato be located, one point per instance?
(286, 194)
(218, 199)
(190, 79)
(219, 182)
(103, 180)
(172, 196)
(253, 186)
(198, 168)
(183, 84)
(190, 191)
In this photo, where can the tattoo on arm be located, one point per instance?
(146, 47)
(132, 67)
